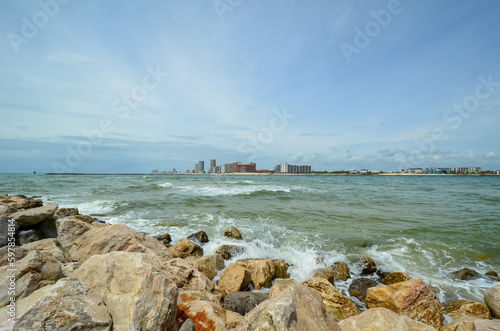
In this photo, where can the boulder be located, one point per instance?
(65, 212)
(382, 274)
(326, 273)
(492, 273)
(34, 216)
(199, 237)
(165, 239)
(292, 307)
(335, 303)
(28, 236)
(7, 226)
(243, 302)
(411, 298)
(492, 300)
(20, 202)
(360, 286)
(233, 232)
(234, 278)
(466, 274)
(185, 248)
(382, 319)
(111, 238)
(68, 268)
(341, 271)
(15, 254)
(395, 277)
(6, 210)
(188, 325)
(85, 218)
(207, 265)
(133, 286)
(460, 308)
(469, 323)
(69, 229)
(229, 251)
(51, 247)
(264, 271)
(66, 305)
(368, 266)
(48, 228)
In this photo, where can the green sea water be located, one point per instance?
(425, 226)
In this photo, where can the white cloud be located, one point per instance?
(491, 154)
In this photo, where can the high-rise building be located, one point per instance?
(201, 166)
(212, 165)
(285, 168)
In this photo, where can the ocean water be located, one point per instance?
(425, 226)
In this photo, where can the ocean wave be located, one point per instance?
(96, 207)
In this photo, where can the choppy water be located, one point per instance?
(424, 226)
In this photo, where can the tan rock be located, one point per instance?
(467, 308)
(20, 202)
(292, 307)
(234, 278)
(229, 251)
(34, 216)
(134, 287)
(264, 271)
(326, 273)
(17, 255)
(185, 248)
(382, 319)
(233, 232)
(207, 265)
(335, 303)
(469, 323)
(65, 212)
(341, 271)
(280, 268)
(85, 218)
(411, 298)
(492, 300)
(395, 277)
(368, 266)
(69, 229)
(50, 246)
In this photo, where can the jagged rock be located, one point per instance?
(207, 265)
(360, 286)
(326, 273)
(185, 248)
(469, 323)
(205, 315)
(492, 300)
(34, 216)
(28, 236)
(229, 251)
(292, 307)
(20, 202)
(492, 273)
(382, 274)
(382, 319)
(85, 218)
(68, 268)
(6, 210)
(395, 277)
(466, 274)
(368, 266)
(341, 271)
(264, 271)
(134, 287)
(16, 255)
(51, 247)
(65, 212)
(234, 278)
(411, 298)
(200, 236)
(69, 229)
(243, 302)
(461, 308)
(48, 228)
(335, 303)
(66, 305)
(188, 325)
(7, 226)
(233, 232)
(165, 239)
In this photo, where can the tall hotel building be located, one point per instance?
(285, 168)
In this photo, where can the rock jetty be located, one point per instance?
(60, 270)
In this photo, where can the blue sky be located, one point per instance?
(129, 86)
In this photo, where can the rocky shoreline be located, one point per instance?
(64, 271)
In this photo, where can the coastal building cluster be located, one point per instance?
(285, 168)
(199, 167)
(451, 170)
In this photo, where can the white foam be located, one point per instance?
(96, 207)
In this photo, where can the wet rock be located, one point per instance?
(185, 248)
(234, 278)
(360, 286)
(382, 319)
(364, 244)
(229, 251)
(165, 239)
(243, 302)
(292, 306)
(66, 305)
(337, 305)
(368, 266)
(411, 298)
(341, 271)
(382, 274)
(138, 294)
(28, 236)
(233, 232)
(207, 265)
(65, 212)
(492, 273)
(280, 268)
(326, 273)
(264, 271)
(492, 300)
(466, 274)
(200, 236)
(34, 216)
(395, 277)
(467, 308)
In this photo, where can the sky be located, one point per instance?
(130, 86)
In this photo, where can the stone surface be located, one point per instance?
(341, 271)
(5, 224)
(292, 307)
(382, 319)
(28, 236)
(207, 265)
(50, 246)
(469, 323)
(199, 237)
(264, 271)
(134, 287)
(48, 228)
(395, 277)
(491, 273)
(368, 266)
(229, 251)
(20, 202)
(360, 286)
(34, 216)
(492, 300)
(184, 248)
(85, 218)
(188, 325)
(15, 255)
(234, 278)
(326, 273)
(65, 212)
(165, 239)
(243, 302)
(68, 268)
(467, 308)
(335, 303)
(66, 305)
(466, 274)
(411, 298)
(69, 229)
(233, 232)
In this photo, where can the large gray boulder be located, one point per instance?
(34, 216)
(243, 302)
(492, 300)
